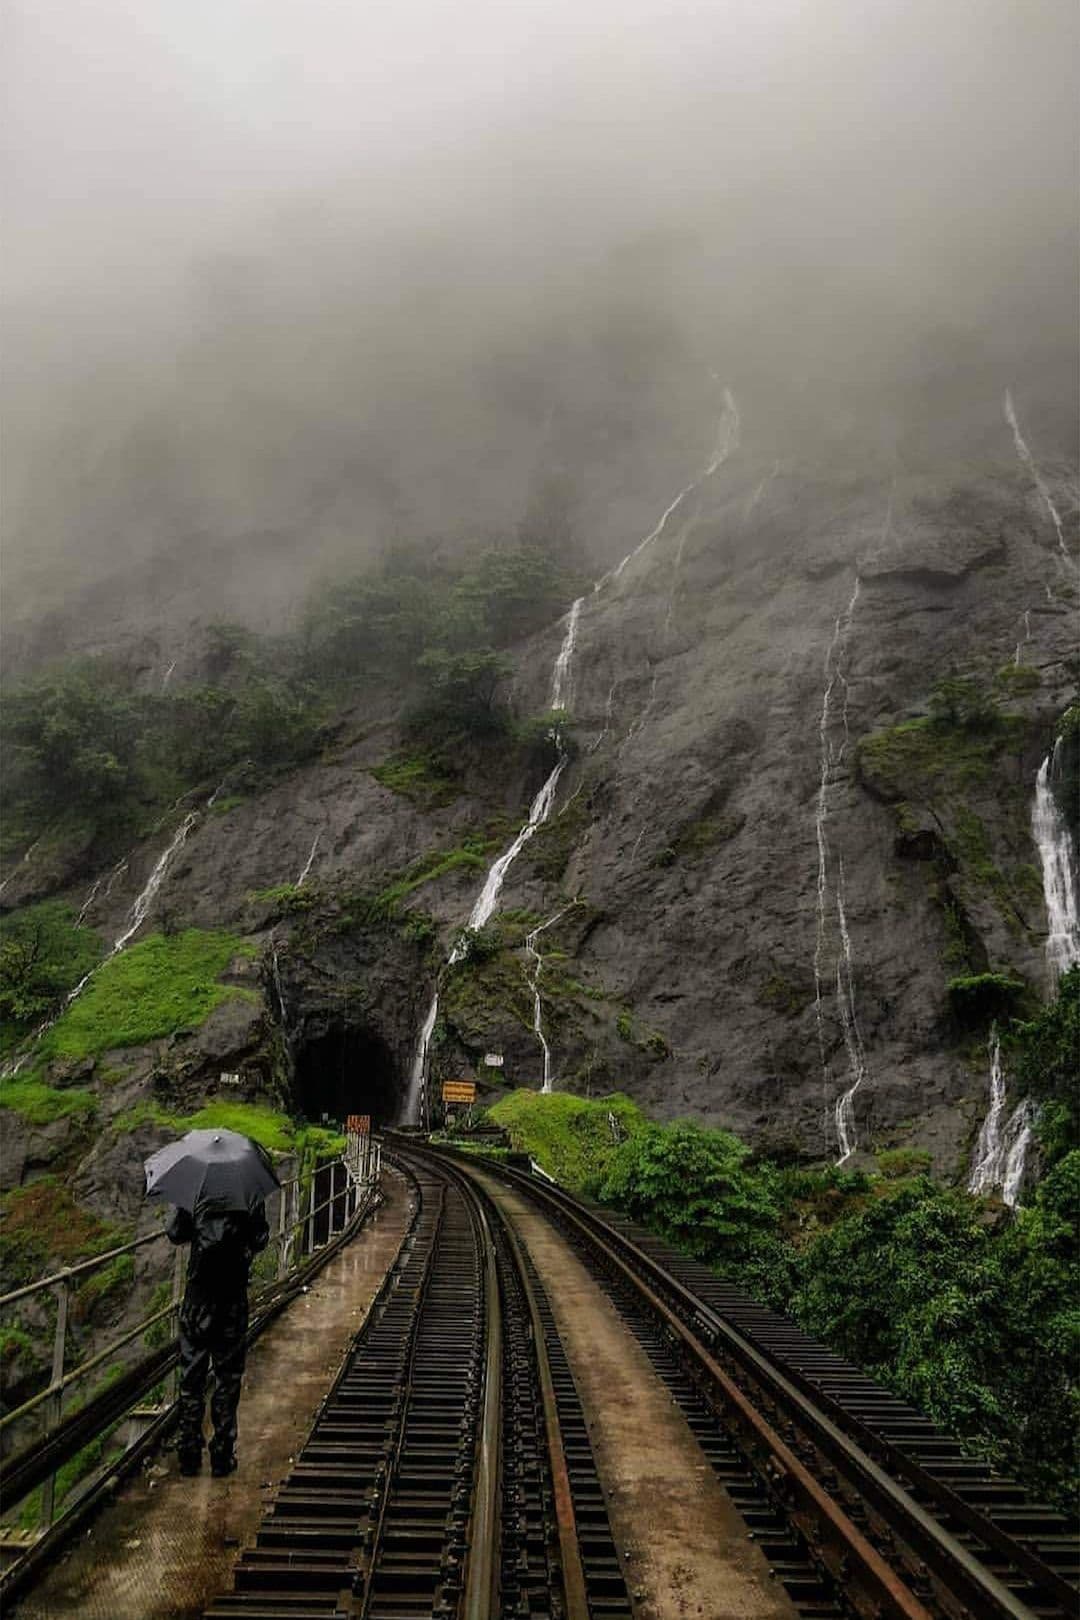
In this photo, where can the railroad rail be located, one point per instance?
(449, 1471)
(888, 1506)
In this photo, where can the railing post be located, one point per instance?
(332, 1204)
(282, 1230)
(311, 1211)
(179, 1270)
(55, 1407)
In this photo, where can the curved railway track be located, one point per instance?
(948, 1536)
(450, 1473)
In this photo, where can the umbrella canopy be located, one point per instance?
(221, 1165)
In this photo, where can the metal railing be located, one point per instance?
(304, 1223)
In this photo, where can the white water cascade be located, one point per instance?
(302, 879)
(1057, 854)
(999, 1162)
(1032, 466)
(534, 984)
(414, 1106)
(831, 756)
(988, 1161)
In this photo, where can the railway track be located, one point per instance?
(946, 1535)
(448, 1472)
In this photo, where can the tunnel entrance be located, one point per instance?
(346, 1070)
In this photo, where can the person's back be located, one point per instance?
(214, 1322)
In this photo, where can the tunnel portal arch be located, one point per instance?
(345, 1069)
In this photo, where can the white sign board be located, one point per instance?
(228, 1079)
(494, 1060)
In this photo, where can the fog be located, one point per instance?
(339, 274)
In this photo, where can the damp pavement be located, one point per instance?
(165, 1546)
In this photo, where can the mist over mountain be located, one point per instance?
(344, 280)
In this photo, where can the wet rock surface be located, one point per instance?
(700, 971)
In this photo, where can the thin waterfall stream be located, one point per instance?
(1057, 855)
(415, 1106)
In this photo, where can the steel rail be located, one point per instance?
(482, 1568)
(985, 1594)
(573, 1575)
(576, 1604)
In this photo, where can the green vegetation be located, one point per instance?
(269, 1127)
(41, 1222)
(40, 1104)
(699, 838)
(1017, 680)
(978, 998)
(1044, 1057)
(288, 899)
(162, 984)
(429, 868)
(418, 777)
(919, 758)
(101, 1285)
(43, 955)
(571, 1138)
(80, 740)
(975, 1321)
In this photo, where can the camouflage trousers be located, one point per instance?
(213, 1333)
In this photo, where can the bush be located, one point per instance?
(1045, 1060)
(694, 1186)
(979, 998)
(43, 955)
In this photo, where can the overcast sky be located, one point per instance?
(456, 176)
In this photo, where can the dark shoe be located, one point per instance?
(220, 1466)
(190, 1461)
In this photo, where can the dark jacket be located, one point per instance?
(223, 1243)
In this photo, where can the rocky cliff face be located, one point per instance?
(764, 864)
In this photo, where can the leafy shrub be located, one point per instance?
(979, 998)
(43, 954)
(694, 1187)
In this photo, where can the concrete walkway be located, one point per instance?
(166, 1546)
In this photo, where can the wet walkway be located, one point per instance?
(686, 1549)
(166, 1545)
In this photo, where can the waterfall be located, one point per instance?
(999, 1161)
(143, 901)
(987, 1165)
(843, 975)
(1037, 478)
(534, 984)
(1019, 1134)
(165, 679)
(307, 864)
(1025, 638)
(1058, 857)
(24, 862)
(415, 1105)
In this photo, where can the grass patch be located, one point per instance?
(287, 897)
(41, 1104)
(569, 1137)
(419, 778)
(42, 1223)
(163, 984)
(110, 1279)
(429, 868)
(920, 758)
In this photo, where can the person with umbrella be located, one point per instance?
(217, 1180)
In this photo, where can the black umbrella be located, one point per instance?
(221, 1165)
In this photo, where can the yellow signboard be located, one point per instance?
(459, 1091)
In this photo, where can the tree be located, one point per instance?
(462, 693)
(43, 954)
